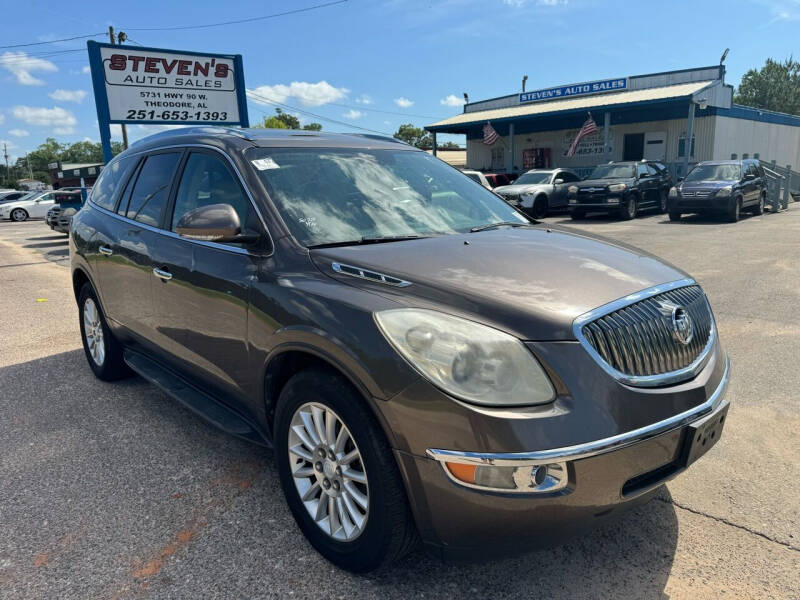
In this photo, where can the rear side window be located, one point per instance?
(151, 189)
(205, 181)
(642, 170)
(104, 190)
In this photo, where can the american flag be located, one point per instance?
(489, 134)
(588, 128)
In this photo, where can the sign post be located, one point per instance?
(135, 85)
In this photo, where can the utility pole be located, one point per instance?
(8, 173)
(121, 37)
(28, 162)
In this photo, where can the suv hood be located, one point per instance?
(604, 182)
(530, 282)
(520, 189)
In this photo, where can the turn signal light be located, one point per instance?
(536, 478)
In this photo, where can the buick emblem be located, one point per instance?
(680, 321)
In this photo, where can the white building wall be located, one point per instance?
(770, 141)
(479, 156)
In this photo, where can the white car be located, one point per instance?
(33, 206)
(479, 177)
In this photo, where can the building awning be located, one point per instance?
(460, 123)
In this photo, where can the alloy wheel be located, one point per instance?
(631, 207)
(18, 214)
(328, 471)
(93, 332)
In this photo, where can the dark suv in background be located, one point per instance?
(725, 187)
(622, 188)
(350, 301)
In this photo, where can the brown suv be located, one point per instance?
(427, 364)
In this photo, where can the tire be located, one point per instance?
(674, 215)
(539, 208)
(630, 208)
(759, 209)
(19, 215)
(103, 351)
(388, 531)
(576, 214)
(662, 202)
(734, 211)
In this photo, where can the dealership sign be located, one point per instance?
(576, 89)
(150, 85)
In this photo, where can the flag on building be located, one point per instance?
(489, 134)
(588, 128)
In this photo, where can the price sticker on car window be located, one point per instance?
(262, 164)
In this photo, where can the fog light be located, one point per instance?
(612, 200)
(573, 201)
(521, 479)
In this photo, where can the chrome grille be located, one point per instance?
(637, 340)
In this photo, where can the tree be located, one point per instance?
(415, 136)
(284, 120)
(448, 146)
(776, 86)
(52, 151)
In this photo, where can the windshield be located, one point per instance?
(612, 172)
(727, 172)
(532, 178)
(331, 195)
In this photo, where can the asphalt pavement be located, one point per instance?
(116, 491)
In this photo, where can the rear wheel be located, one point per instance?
(759, 209)
(662, 202)
(539, 208)
(102, 349)
(19, 214)
(338, 474)
(734, 210)
(629, 208)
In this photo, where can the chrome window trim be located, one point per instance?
(172, 234)
(336, 266)
(589, 449)
(645, 380)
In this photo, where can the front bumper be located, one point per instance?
(606, 477)
(596, 202)
(699, 203)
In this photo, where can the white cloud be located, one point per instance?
(19, 132)
(21, 66)
(8, 143)
(387, 123)
(451, 100)
(86, 70)
(309, 94)
(64, 130)
(68, 95)
(46, 117)
(403, 102)
(2, 118)
(353, 114)
(364, 99)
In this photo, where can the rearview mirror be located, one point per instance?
(558, 181)
(213, 223)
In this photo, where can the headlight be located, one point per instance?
(724, 192)
(471, 361)
(673, 192)
(617, 187)
(573, 189)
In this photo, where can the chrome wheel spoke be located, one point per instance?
(318, 416)
(302, 452)
(322, 508)
(358, 476)
(352, 510)
(308, 423)
(309, 494)
(349, 457)
(301, 432)
(360, 498)
(304, 472)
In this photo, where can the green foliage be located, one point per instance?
(284, 120)
(776, 86)
(415, 136)
(54, 151)
(449, 146)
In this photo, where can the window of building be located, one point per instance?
(104, 189)
(498, 157)
(682, 147)
(151, 189)
(205, 181)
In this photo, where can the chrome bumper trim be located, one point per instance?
(589, 449)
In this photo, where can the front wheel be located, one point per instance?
(662, 202)
(674, 215)
(339, 475)
(19, 214)
(539, 208)
(734, 210)
(629, 208)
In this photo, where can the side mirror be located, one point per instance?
(213, 223)
(558, 181)
(749, 176)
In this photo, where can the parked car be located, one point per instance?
(622, 188)
(539, 190)
(33, 205)
(12, 195)
(498, 179)
(478, 177)
(415, 383)
(723, 187)
(60, 215)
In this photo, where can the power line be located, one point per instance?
(250, 20)
(77, 37)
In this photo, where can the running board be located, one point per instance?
(200, 403)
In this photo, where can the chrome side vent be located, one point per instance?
(369, 275)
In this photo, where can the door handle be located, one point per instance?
(162, 274)
(105, 250)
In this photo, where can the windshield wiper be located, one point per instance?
(370, 240)
(499, 224)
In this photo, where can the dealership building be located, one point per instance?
(637, 117)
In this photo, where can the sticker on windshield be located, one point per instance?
(262, 164)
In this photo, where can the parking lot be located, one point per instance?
(117, 491)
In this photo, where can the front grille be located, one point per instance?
(639, 340)
(591, 195)
(698, 194)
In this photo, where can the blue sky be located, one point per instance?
(410, 59)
